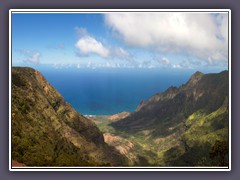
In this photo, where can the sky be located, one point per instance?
(165, 40)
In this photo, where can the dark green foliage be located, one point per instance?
(200, 142)
(196, 155)
(219, 153)
(199, 154)
(190, 121)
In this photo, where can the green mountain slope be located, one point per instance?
(185, 126)
(47, 131)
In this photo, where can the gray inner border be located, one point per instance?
(104, 4)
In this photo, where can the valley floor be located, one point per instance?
(140, 148)
(199, 140)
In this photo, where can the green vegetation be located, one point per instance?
(182, 126)
(186, 126)
(47, 131)
(202, 140)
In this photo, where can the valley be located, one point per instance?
(140, 149)
(143, 149)
(182, 126)
(185, 126)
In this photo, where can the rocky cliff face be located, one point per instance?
(47, 131)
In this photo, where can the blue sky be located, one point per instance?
(121, 40)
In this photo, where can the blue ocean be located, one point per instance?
(111, 91)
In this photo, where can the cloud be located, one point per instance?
(121, 53)
(34, 58)
(89, 45)
(30, 56)
(201, 35)
(164, 60)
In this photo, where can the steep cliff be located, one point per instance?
(47, 131)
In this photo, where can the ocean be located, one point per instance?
(111, 91)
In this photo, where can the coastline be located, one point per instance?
(117, 116)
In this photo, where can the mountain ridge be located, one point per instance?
(187, 126)
(47, 131)
(193, 96)
(182, 126)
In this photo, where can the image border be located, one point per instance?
(13, 11)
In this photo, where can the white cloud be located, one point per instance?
(200, 35)
(180, 63)
(88, 45)
(34, 58)
(121, 53)
(30, 56)
(176, 66)
(223, 26)
(164, 60)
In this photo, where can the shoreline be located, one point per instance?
(117, 116)
(94, 115)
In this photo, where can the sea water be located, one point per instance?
(110, 91)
